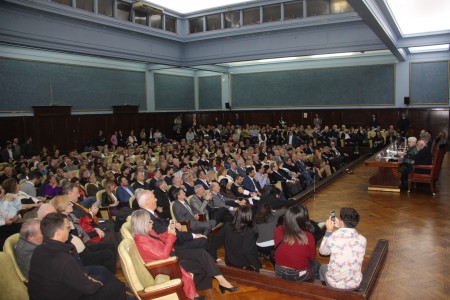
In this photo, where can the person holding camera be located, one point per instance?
(346, 248)
(153, 246)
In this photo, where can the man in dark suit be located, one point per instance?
(156, 176)
(250, 183)
(201, 179)
(185, 240)
(423, 157)
(237, 189)
(162, 198)
(223, 208)
(232, 171)
(140, 182)
(183, 212)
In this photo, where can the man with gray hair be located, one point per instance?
(408, 160)
(44, 210)
(30, 237)
(185, 240)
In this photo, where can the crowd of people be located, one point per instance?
(238, 179)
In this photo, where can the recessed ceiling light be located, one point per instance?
(333, 55)
(189, 6)
(433, 48)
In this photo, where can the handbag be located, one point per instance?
(272, 253)
(85, 223)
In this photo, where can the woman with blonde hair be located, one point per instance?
(153, 246)
(96, 251)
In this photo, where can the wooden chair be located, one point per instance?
(430, 178)
(11, 284)
(8, 247)
(140, 279)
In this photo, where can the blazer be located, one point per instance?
(198, 181)
(181, 213)
(123, 195)
(55, 273)
(198, 205)
(189, 189)
(249, 184)
(162, 200)
(136, 185)
(220, 201)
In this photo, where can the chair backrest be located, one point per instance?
(189, 199)
(99, 195)
(171, 211)
(132, 198)
(125, 231)
(437, 163)
(133, 268)
(11, 285)
(9, 247)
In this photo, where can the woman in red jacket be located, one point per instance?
(153, 246)
(295, 253)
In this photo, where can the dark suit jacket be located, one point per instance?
(234, 190)
(162, 200)
(144, 186)
(231, 173)
(189, 189)
(423, 157)
(198, 181)
(249, 186)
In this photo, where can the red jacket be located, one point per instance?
(152, 249)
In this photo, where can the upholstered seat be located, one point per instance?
(141, 281)
(11, 285)
(9, 247)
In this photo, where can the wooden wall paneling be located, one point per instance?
(14, 127)
(419, 118)
(291, 117)
(327, 118)
(388, 117)
(73, 131)
(438, 121)
(337, 118)
(355, 117)
(262, 118)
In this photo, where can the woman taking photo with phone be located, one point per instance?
(153, 246)
(295, 253)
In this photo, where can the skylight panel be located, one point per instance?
(419, 17)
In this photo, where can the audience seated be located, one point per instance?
(30, 237)
(55, 272)
(153, 246)
(183, 212)
(266, 221)
(295, 253)
(239, 239)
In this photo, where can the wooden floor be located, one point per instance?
(417, 226)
